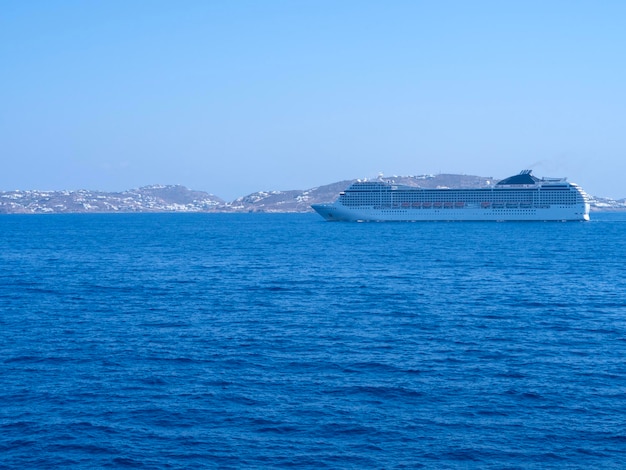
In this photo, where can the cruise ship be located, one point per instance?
(517, 198)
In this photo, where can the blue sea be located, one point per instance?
(170, 341)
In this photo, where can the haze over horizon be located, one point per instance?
(237, 97)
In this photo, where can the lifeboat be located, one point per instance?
(427, 205)
(459, 204)
(437, 205)
(485, 205)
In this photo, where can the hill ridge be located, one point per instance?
(178, 198)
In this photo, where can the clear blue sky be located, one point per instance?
(235, 96)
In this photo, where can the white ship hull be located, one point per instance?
(520, 197)
(337, 212)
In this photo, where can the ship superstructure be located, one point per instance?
(519, 197)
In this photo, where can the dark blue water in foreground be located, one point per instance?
(243, 341)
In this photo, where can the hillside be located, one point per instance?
(159, 198)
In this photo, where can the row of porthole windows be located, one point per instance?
(465, 194)
(360, 202)
(458, 204)
(459, 197)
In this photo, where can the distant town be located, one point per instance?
(159, 198)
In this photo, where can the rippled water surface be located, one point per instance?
(254, 341)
